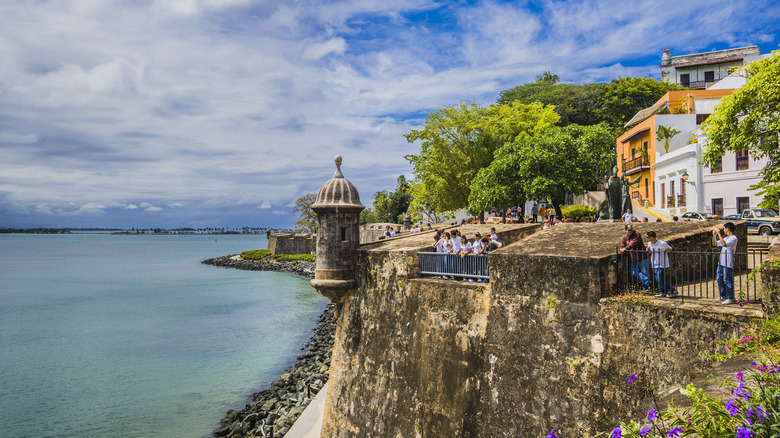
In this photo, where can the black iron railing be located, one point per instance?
(448, 265)
(692, 273)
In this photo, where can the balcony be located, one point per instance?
(636, 165)
(670, 201)
(681, 200)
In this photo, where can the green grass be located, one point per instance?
(260, 254)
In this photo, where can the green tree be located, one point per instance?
(624, 97)
(664, 134)
(749, 119)
(307, 218)
(563, 160)
(575, 104)
(381, 205)
(457, 141)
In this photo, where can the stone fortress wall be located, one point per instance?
(292, 243)
(545, 345)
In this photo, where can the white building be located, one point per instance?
(721, 190)
(701, 70)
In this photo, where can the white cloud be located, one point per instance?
(281, 212)
(86, 209)
(153, 208)
(318, 50)
(265, 204)
(130, 207)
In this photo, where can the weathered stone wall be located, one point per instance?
(770, 279)
(372, 232)
(292, 243)
(538, 348)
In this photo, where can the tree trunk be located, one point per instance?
(557, 206)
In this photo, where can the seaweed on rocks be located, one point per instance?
(272, 411)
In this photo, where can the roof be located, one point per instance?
(709, 61)
(646, 113)
(337, 192)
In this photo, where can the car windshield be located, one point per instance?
(765, 213)
(708, 216)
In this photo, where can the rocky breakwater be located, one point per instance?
(302, 268)
(273, 411)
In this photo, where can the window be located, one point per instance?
(717, 207)
(700, 118)
(685, 79)
(743, 160)
(718, 167)
(343, 234)
(709, 76)
(743, 204)
(633, 153)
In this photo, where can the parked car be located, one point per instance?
(696, 216)
(762, 221)
(732, 217)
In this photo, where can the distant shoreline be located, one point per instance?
(280, 405)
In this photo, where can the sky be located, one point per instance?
(201, 113)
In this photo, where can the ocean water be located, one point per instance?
(131, 336)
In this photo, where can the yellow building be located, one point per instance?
(637, 148)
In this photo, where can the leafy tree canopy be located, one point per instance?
(457, 141)
(574, 103)
(561, 160)
(750, 119)
(307, 217)
(622, 98)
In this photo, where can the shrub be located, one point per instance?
(581, 210)
(256, 254)
(294, 257)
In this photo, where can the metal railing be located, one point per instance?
(634, 163)
(681, 200)
(670, 201)
(449, 265)
(693, 273)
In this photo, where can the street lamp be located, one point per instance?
(685, 178)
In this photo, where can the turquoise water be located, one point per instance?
(131, 336)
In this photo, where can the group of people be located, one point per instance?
(655, 255)
(455, 243)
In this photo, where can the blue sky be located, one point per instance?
(205, 113)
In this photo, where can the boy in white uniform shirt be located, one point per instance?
(659, 258)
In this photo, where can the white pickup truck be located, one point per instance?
(761, 221)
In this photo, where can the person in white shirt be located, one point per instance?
(628, 217)
(546, 224)
(659, 259)
(493, 235)
(477, 247)
(456, 243)
(465, 246)
(727, 245)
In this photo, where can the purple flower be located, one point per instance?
(753, 364)
(643, 431)
(652, 414)
(744, 432)
(632, 378)
(674, 432)
(552, 435)
(740, 376)
(732, 410)
(617, 433)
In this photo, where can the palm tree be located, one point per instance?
(664, 134)
(547, 78)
